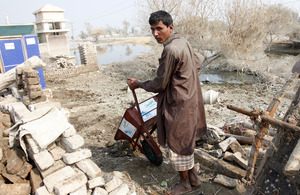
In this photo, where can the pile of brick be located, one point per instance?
(28, 85)
(88, 53)
(64, 167)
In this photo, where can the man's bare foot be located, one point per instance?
(179, 189)
(194, 180)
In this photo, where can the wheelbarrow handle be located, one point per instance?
(137, 103)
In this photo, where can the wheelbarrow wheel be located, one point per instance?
(150, 154)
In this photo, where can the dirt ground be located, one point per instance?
(97, 101)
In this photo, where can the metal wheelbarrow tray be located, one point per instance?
(137, 126)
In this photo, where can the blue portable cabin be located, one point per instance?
(17, 44)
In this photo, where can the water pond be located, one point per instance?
(108, 54)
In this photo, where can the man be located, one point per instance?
(180, 108)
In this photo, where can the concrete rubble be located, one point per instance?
(63, 166)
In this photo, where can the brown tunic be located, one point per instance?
(180, 109)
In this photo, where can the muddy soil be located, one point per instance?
(97, 101)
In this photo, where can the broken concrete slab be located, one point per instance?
(18, 111)
(89, 168)
(224, 145)
(218, 165)
(237, 157)
(236, 147)
(292, 167)
(225, 181)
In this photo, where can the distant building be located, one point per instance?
(51, 31)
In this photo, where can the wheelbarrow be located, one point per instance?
(138, 125)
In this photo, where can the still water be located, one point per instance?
(125, 52)
(116, 53)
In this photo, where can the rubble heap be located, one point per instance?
(41, 152)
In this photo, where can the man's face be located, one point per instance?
(161, 32)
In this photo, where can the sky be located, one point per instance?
(99, 13)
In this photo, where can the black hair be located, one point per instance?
(160, 15)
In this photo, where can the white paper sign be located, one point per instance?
(149, 115)
(30, 41)
(9, 46)
(127, 128)
(148, 109)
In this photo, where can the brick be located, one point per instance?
(43, 160)
(1, 153)
(71, 158)
(32, 81)
(5, 119)
(32, 146)
(35, 180)
(2, 180)
(71, 184)
(112, 184)
(89, 168)
(39, 99)
(96, 182)
(30, 73)
(55, 167)
(11, 177)
(15, 161)
(121, 190)
(15, 189)
(69, 132)
(99, 191)
(58, 177)
(35, 94)
(51, 146)
(81, 191)
(57, 153)
(224, 145)
(37, 87)
(225, 181)
(72, 143)
(25, 170)
(42, 191)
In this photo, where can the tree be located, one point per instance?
(83, 35)
(98, 32)
(126, 25)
